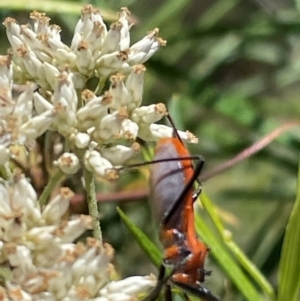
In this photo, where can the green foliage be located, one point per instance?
(145, 243)
(229, 74)
(289, 278)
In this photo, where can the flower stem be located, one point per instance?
(49, 188)
(92, 203)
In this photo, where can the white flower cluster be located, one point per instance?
(38, 259)
(105, 127)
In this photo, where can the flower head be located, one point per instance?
(43, 90)
(37, 245)
(61, 71)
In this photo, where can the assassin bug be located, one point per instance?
(172, 197)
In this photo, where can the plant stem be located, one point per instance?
(43, 200)
(92, 203)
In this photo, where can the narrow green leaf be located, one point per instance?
(50, 6)
(289, 267)
(141, 238)
(227, 262)
(243, 260)
(216, 12)
(167, 12)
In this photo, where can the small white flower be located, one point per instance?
(119, 154)
(157, 131)
(141, 51)
(81, 140)
(41, 104)
(129, 129)
(84, 62)
(57, 207)
(68, 163)
(51, 73)
(112, 62)
(119, 92)
(64, 99)
(94, 162)
(128, 288)
(74, 228)
(111, 125)
(37, 125)
(94, 109)
(149, 114)
(134, 85)
(5, 72)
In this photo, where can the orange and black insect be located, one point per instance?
(172, 196)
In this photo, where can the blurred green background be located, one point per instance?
(230, 74)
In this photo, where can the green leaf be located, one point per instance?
(289, 267)
(168, 11)
(141, 238)
(239, 255)
(50, 6)
(227, 262)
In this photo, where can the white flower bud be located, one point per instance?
(85, 61)
(43, 57)
(51, 73)
(129, 129)
(75, 228)
(57, 207)
(89, 17)
(65, 101)
(68, 163)
(135, 85)
(112, 40)
(31, 62)
(14, 229)
(60, 51)
(124, 32)
(97, 37)
(24, 189)
(12, 27)
(127, 287)
(112, 62)
(94, 109)
(19, 256)
(81, 140)
(94, 162)
(149, 114)
(110, 125)
(40, 237)
(40, 103)
(13, 33)
(23, 108)
(5, 72)
(118, 91)
(64, 92)
(84, 24)
(119, 154)
(37, 125)
(157, 131)
(141, 51)
(29, 36)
